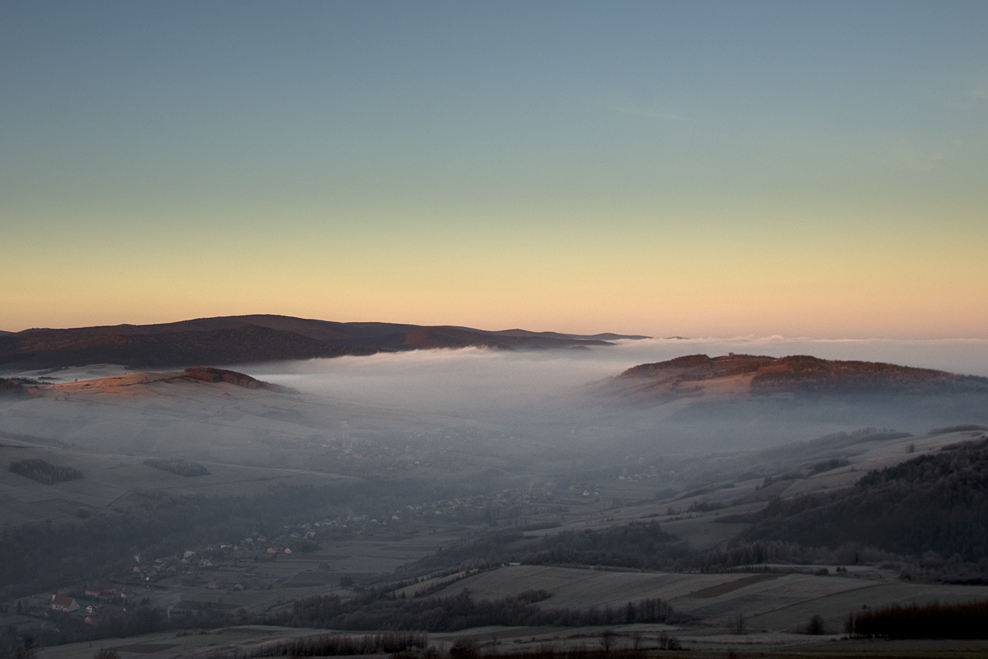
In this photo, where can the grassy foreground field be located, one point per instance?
(770, 602)
(548, 643)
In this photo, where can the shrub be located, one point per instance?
(178, 466)
(44, 472)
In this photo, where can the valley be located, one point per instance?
(207, 500)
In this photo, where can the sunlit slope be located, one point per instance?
(722, 403)
(696, 376)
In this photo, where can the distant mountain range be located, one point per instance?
(256, 338)
(801, 376)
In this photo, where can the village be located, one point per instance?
(251, 575)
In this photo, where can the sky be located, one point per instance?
(811, 169)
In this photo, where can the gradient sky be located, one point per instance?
(809, 169)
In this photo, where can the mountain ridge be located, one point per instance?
(257, 338)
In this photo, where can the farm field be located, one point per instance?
(582, 588)
(833, 608)
(770, 601)
(494, 641)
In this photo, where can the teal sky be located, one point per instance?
(808, 169)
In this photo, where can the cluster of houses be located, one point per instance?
(513, 496)
(101, 594)
(192, 561)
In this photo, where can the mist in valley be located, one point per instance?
(554, 395)
(475, 379)
(516, 414)
(382, 470)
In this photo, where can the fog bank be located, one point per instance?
(476, 380)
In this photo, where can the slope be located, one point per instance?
(248, 339)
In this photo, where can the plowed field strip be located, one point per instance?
(724, 588)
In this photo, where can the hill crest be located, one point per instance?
(255, 338)
(136, 383)
(754, 375)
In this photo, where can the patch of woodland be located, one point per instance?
(377, 610)
(372, 610)
(634, 546)
(933, 503)
(466, 648)
(16, 386)
(179, 466)
(215, 375)
(639, 546)
(966, 427)
(699, 367)
(396, 644)
(807, 374)
(933, 620)
(44, 472)
(17, 643)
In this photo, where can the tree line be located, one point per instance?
(932, 620)
(179, 466)
(44, 472)
(458, 612)
(934, 502)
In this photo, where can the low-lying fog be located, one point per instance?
(474, 380)
(543, 398)
(544, 394)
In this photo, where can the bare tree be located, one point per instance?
(737, 623)
(607, 638)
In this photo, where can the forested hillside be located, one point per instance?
(936, 502)
(637, 545)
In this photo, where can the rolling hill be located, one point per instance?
(255, 338)
(799, 376)
(934, 502)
